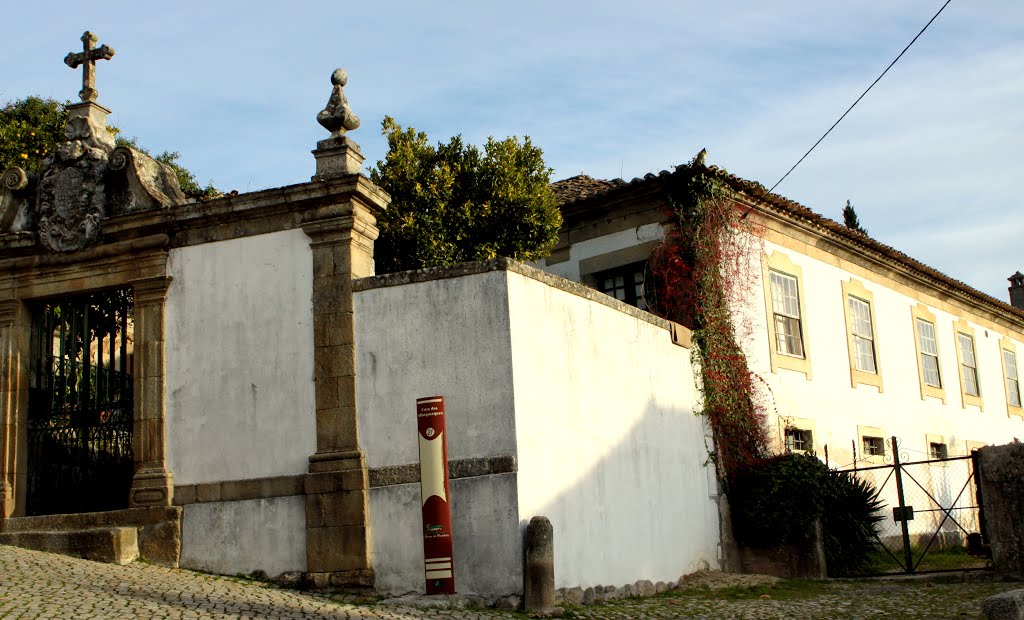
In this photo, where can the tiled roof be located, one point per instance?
(761, 196)
(579, 187)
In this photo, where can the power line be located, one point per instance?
(861, 97)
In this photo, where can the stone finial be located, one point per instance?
(337, 117)
(87, 60)
(337, 155)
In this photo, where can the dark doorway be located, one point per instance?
(80, 404)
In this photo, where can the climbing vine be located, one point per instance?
(695, 271)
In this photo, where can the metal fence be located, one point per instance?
(930, 513)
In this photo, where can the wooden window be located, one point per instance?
(967, 358)
(799, 440)
(929, 347)
(786, 313)
(968, 364)
(861, 339)
(873, 446)
(786, 309)
(863, 335)
(1012, 380)
(625, 283)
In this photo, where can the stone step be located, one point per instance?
(114, 545)
(155, 534)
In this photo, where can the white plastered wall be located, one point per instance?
(596, 404)
(239, 351)
(446, 337)
(609, 447)
(239, 394)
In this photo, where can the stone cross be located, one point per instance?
(87, 59)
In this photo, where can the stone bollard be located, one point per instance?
(1005, 606)
(539, 586)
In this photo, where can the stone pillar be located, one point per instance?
(539, 585)
(1000, 472)
(153, 484)
(337, 523)
(15, 338)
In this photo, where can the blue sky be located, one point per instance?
(930, 158)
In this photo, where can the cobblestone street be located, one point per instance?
(37, 585)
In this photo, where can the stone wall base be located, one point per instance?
(339, 579)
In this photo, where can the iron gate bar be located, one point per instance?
(907, 552)
(895, 470)
(946, 517)
(940, 506)
(80, 412)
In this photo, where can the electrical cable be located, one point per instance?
(777, 183)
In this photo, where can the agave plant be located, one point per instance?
(850, 521)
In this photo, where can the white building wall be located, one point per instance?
(839, 408)
(239, 355)
(609, 447)
(602, 246)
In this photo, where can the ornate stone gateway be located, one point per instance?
(80, 404)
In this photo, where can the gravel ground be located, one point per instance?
(36, 585)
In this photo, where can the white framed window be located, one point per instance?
(786, 310)
(968, 364)
(937, 450)
(873, 446)
(926, 343)
(1012, 378)
(799, 440)
(929, 348)
(967, 359)
(863, 335)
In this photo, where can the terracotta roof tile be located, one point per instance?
(579, 187)
(757, 192)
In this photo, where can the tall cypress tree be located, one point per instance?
(850, 219)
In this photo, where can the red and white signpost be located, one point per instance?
(439, 569)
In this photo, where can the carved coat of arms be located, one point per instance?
(72, 197)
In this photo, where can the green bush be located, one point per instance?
(780, 499)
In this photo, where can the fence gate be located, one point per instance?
(80, 404)
(931, 514)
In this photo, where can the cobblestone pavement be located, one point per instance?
(37, 585)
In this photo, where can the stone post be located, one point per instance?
(341, 238)
(1001, 485)
(15, 336)
(337, 523)
(539, 586)
(153, 484)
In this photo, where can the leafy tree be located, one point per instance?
(452, 202)
(31, 128)
(850, 219)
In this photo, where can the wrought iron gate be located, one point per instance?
(80, 404)
(931, 514)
